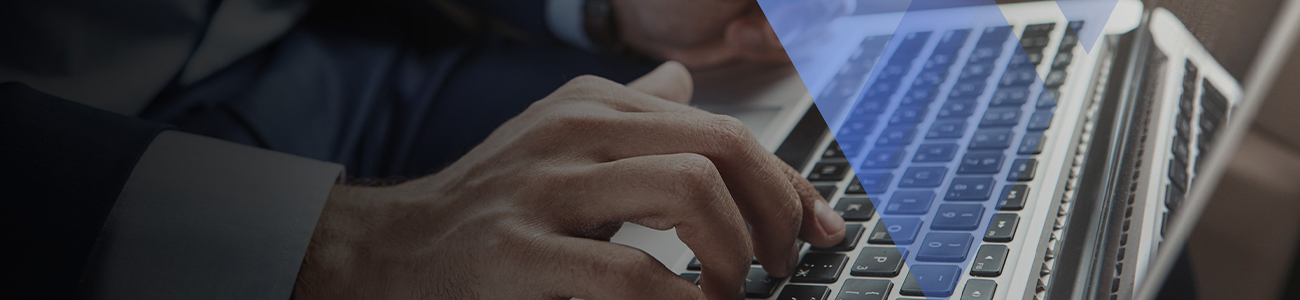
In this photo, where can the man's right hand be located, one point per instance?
(528, 214)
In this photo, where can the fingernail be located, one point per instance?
(832, 223)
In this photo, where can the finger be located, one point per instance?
(670, 81)
(760, 182)
(643, 95)
(828, 229)
(597, 270)
(674, 191)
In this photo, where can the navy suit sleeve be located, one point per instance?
(62, 166)
(528, 15)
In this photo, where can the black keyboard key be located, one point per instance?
(909, 203)
(868, 109)
(893, 71)
(805, 292)
(912, 43)
(1041, 29)
(976, 71)
(907, 115)
(852, 233)
(1054, 79)
(991, 139)
(1002, 228)
(856, 128)
(969, 189)
(692, 277)
(1183, 125)
(758, 284)
(1178, 173)
(1025, 60)
(833, 151)
(1040, 120)
(1010, 96)
(921, 177)
(1174, 197)
(1047, 99)
(939, 60)
(883, 158)
(829, 171)
(952, 40)
(1209, 124)
(958, 217)
(967, 89)
(979, 289)
(878, 262)
(1022, 169)
(1062, 60)
(880, 90)
(980, 163)
(820, 268)
(865, 289)
(931, 281)
(869, 183)
(989, 261)
(896, 135)
(935, 153)
(855, 208)
(929, 78)
(1180, 148)
(1013, 197)
(1068, 41)
(1031, 144)
(917, 96)
(1213, 101)
(947, 129)
(841, 88)
(1034, 43)
(1000, 117)
(985, 53)
(956, 109)
(995, 35)
(899, 231)
(825, 190)
(944, 246)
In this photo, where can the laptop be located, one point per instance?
(1015, 151)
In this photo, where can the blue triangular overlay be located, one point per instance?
(1091, 12)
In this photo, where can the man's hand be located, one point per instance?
(528, 213)
(698, 33)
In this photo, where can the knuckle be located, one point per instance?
(728, 133)
(625, 269)
(700, 183)
(696, 171)
(569, 122)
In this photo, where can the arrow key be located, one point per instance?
(988, 261)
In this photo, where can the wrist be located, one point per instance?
(330, 253)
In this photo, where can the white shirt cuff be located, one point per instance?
(565, 19)
(201, 218)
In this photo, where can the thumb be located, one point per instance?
(670, 81)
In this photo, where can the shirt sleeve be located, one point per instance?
(201, 218)
(565, 20)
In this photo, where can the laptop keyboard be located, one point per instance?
(944, 144)
(1213, 112)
